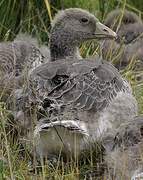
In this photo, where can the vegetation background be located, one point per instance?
(34, 17)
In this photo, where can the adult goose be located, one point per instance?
(84, 98)
(126, 48)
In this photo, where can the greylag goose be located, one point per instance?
(127, 48)
(82, 99)
(124, 151)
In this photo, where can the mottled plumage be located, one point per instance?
(83, 99)
(88, 85)
(16, 59)
(88, 92)
(29, 39)
(15, 56)
(124, 150)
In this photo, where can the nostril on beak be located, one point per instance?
(105, 30)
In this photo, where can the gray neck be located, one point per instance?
(62, 46)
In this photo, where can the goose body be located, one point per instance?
(16, 59)
(30, 40)
(15, 56)
(124, 151)
(90, 93)
(80, 100)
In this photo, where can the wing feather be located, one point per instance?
(88, 85)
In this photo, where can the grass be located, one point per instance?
(34, 17)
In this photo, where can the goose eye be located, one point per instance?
(84, 20)
(127, 21)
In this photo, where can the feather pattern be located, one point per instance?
(87, 85)
(18, 55)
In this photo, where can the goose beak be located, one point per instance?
(103, 32)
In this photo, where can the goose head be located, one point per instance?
(72, 27)
(127, 47)
(126, 17)
(131, 33)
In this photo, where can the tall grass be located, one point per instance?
(34, 16)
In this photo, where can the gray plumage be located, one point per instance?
(64, 43)
(29, 39)
(131, 32)
(14, 56)
(16, 59)
(86, 84)
(81, 100)
(126, 17)
(89, 93)
(124, 151)
(126, 48)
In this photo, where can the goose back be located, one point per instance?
(88, 84)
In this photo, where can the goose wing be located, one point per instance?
(86, 84)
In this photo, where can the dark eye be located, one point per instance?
(127, 21)
(84, 20)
